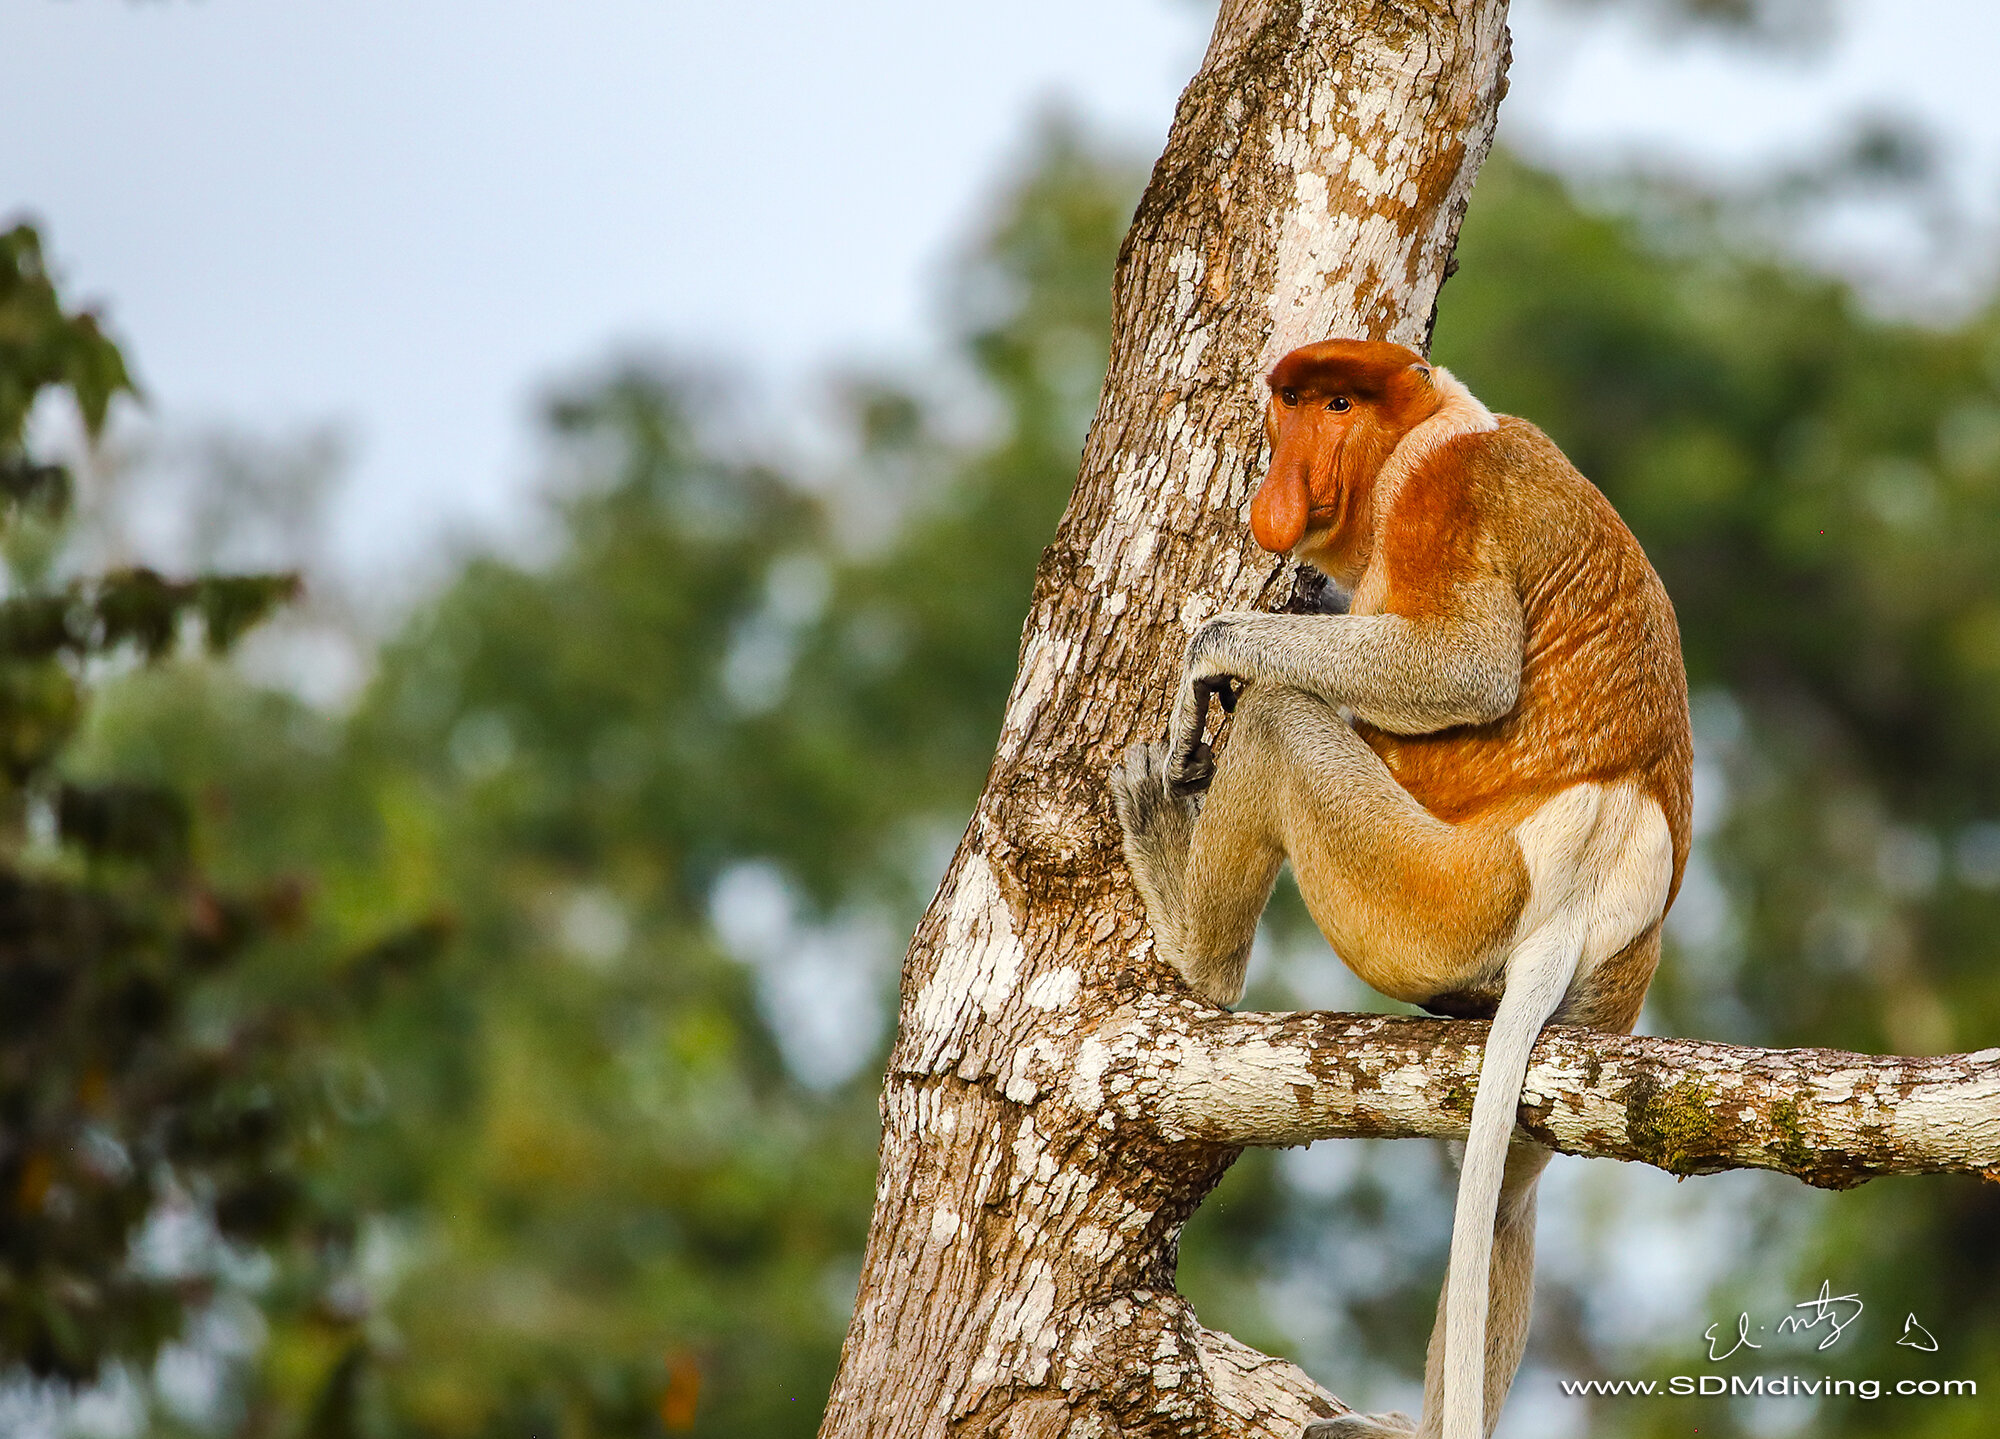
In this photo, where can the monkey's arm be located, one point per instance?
(1403, 674)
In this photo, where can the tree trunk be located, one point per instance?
(1057, 1102)
(1019, 1276)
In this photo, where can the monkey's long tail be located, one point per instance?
(1538, 975)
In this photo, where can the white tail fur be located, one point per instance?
(1599, 862)
(1538, 975)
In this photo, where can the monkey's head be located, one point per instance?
(1336, 411)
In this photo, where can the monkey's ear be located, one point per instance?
(1423, 371)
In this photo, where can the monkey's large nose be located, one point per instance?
(1278, 513)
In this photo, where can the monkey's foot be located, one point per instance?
(1361, 1426)
(1158, 826)
(1158, 823)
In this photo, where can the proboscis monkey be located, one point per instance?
(1480, 774)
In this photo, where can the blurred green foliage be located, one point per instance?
(599, 1181)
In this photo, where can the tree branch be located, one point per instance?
(1833, 1119)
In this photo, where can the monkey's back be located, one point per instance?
(1603, 692)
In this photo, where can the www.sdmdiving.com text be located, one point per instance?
(1765, 1385)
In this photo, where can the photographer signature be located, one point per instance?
(1836, 1311)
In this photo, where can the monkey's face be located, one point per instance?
(1336, 411)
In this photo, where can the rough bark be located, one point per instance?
(1018, 1278)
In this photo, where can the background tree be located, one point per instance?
(156, 1113)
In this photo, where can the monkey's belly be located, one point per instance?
(1477, 1002)
(1461, 774)
(1598, 863)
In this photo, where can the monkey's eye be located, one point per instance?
(1338, 402)
(1290, 397)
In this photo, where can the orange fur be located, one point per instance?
(1603, 694)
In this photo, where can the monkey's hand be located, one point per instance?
(1210, 672)
(1191, 765)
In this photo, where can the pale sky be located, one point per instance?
(407, 217)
